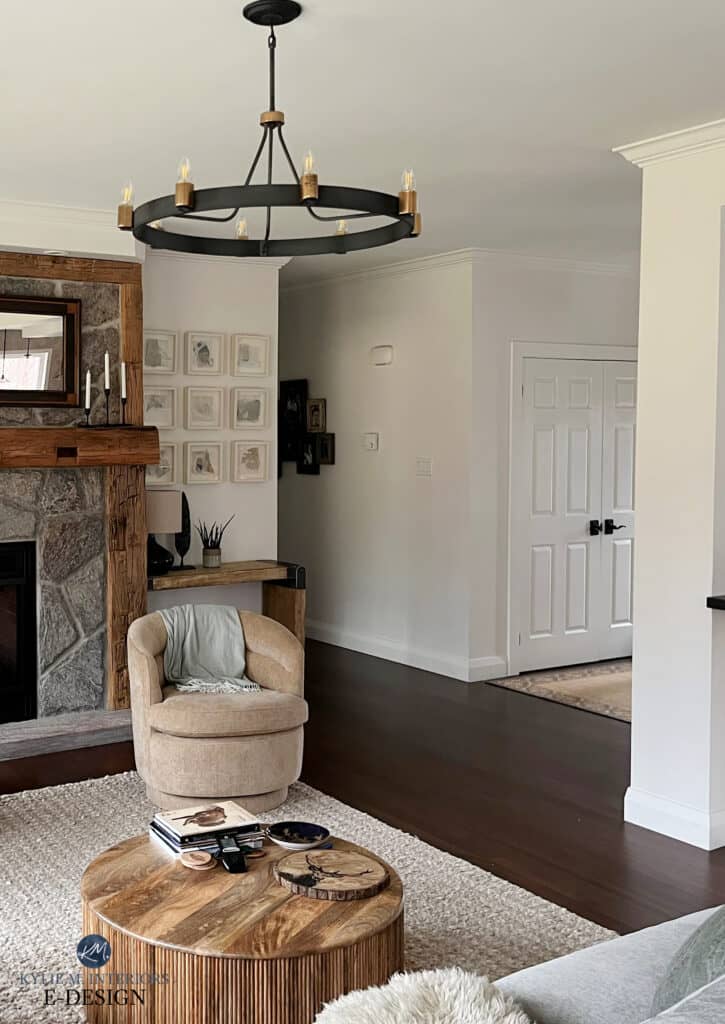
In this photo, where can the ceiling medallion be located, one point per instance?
(191, 204)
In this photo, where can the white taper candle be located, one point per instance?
(123, 380)
(106, 373)
(88, 389)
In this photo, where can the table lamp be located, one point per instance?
(163, 515)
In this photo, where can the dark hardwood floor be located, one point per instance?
(523, 787)
(526, 788)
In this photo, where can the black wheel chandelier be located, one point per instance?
(190, 204)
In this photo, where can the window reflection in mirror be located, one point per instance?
(39, 351)
(32, 352)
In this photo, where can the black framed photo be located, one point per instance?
(316, 415)
(308, 463)
(326, 449)
(292, 418)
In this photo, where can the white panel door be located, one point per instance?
(558, 561)
(620, 398)
(572, 585)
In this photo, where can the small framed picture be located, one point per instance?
(307, 463)
(249, 355)
(165, 473)
(292, 418)
(316, 415)
(325, 449)
(203, 462)
(249, 408)
(249, 461)
(159, 351)
(204, 352)
(204, 408)
(159, 407)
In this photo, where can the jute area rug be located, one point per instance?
(604, 687)
(456, 914)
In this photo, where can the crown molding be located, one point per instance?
(72, 231)
(267, 262)
(674, 144)
(470, 256)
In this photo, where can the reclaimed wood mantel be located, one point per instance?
(36, 447)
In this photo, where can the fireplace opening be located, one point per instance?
(18, 632)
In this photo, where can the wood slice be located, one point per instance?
(331, 875)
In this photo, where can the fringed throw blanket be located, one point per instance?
(205, 651)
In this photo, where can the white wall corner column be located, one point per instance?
(678, 756)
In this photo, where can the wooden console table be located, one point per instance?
(283, 587)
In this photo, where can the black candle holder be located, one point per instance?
(107, 392)
(123, 411)
(88, 417)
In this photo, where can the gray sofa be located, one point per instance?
(615, 982)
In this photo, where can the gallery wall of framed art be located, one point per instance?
(218, 392)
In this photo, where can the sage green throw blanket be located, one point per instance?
(205, 650)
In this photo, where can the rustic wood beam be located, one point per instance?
(69, 268)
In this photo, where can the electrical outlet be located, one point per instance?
(423, 466)
(371, 442)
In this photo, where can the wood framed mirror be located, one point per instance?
(40, 351)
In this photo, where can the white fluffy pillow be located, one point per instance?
(427, 997)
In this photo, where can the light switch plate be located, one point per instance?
(423, 466)
(371, 442)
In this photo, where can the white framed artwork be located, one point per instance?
(204, 352)
(203, 463)
(204, 408)
(159, 407)
(250, 460)
(165, 473)
(249, 408)
(249, 355)
(159, 351)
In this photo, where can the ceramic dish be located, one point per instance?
(297, 835)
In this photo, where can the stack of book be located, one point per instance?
(199, 827)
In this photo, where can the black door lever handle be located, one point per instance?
(609, 526)
(595, 527)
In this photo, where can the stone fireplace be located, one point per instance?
(73, 500)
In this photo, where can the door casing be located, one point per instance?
(521, 350)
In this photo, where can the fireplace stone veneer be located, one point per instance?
(62, 510)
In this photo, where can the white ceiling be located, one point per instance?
(507, 110)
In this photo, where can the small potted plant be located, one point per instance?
(211, 541)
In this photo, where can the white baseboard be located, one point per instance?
(463, 669)
(703, 829)
(490, 667)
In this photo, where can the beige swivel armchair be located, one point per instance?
(194, 747)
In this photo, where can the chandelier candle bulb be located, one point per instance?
(341, 227)
(125, 208)
(184, 193)
(242, 234)
(408, 197)
(309, 187)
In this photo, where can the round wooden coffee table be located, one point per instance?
(235, 949)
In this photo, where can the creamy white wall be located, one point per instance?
(531, 300)
(406, 567)
(185, 293)
(385, 550)
(678, 756)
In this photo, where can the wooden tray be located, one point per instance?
(331, 875)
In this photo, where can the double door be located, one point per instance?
(573, 518)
